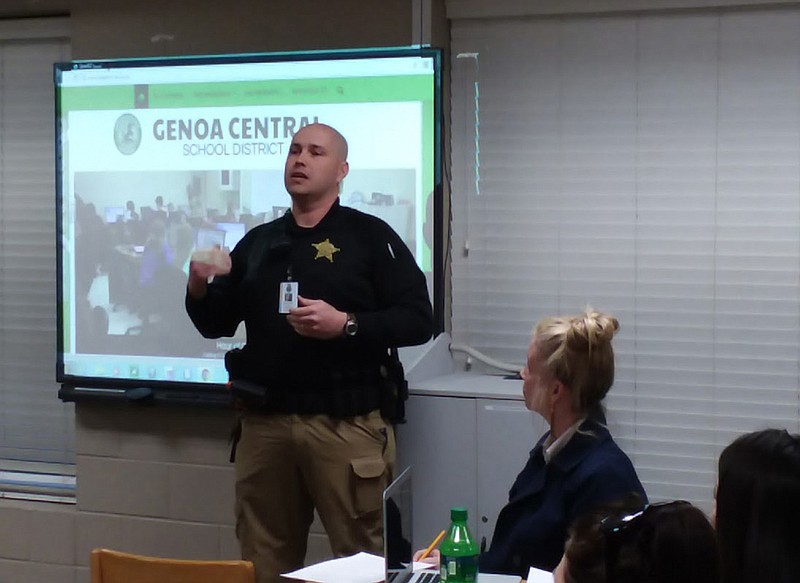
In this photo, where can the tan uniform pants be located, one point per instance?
(287, 465)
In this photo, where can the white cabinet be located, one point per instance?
(466, 445)
(439, 442)
(507, 432)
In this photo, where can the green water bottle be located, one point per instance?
(459, 552)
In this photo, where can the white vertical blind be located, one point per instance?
(34, 424)
(649, 166)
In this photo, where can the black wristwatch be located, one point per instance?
(351, 325)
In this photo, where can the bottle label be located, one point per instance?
(459, 569)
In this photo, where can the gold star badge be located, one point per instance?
(325, 249)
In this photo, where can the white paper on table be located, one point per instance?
(359, 568)
(538, 576)
(493, 578)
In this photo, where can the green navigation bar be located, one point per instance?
(239, 93)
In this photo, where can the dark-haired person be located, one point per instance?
(671, 542)
(322, 378)
(758, 508)
(576, 467)
(130, 213)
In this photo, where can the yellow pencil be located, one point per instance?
(432, 546)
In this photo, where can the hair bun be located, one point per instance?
(590, 329)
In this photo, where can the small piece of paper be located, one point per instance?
(538, 576)
(490, 578)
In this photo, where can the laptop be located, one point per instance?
(234, 232)
(398, 547)
(207, 238)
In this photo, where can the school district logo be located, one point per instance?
(127, 134)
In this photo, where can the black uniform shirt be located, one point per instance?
(351, 260)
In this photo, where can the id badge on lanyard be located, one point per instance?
(287, 294)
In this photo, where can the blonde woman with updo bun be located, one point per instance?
(576, 467)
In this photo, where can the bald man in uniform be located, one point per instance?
(327, 293)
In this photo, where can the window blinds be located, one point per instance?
(648, 166)
(34, 424)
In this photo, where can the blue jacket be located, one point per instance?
(531, 530)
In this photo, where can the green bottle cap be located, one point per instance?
(458, 513)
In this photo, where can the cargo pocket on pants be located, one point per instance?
(367, 484)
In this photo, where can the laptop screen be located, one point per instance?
(207, 238)
(397, 547)
(234, 232)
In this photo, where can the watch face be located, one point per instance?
(351, 327)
